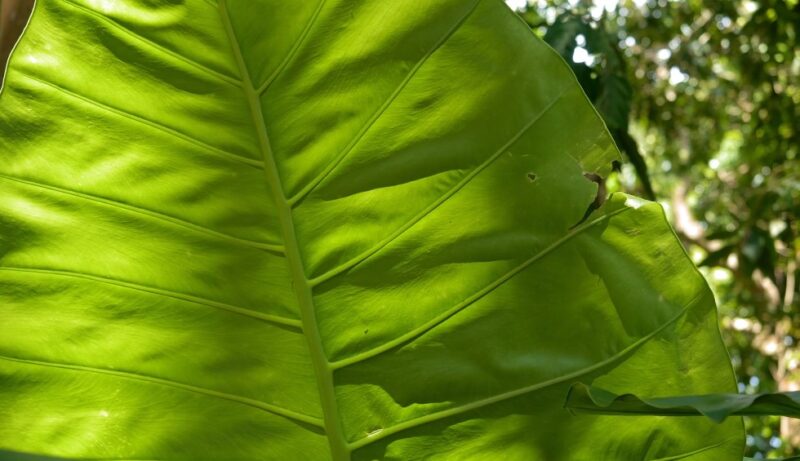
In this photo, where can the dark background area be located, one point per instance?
(13, 16)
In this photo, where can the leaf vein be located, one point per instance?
(156, 125)
(698, 451)
(444, 316)
(274, 409)
(153, 45)
(446, 196)
(292, 51)
(147, 212)
(432, 417)
(276, 319)
(311, 186)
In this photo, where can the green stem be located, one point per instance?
(324, 373)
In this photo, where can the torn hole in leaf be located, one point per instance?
(531, 176)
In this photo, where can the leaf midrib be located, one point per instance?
(324, 374)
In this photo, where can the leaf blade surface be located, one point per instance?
(337, 230)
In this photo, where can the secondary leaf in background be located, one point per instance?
(13, 15)
(793, 458)
(583, 398)
(327, 230)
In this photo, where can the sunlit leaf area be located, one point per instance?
(357, 230)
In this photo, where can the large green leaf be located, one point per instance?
(327, 229)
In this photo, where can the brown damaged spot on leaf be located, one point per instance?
(599, 198)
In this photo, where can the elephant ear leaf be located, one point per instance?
(271, 230)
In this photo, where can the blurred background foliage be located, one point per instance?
(703, 99)
(13, 16)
